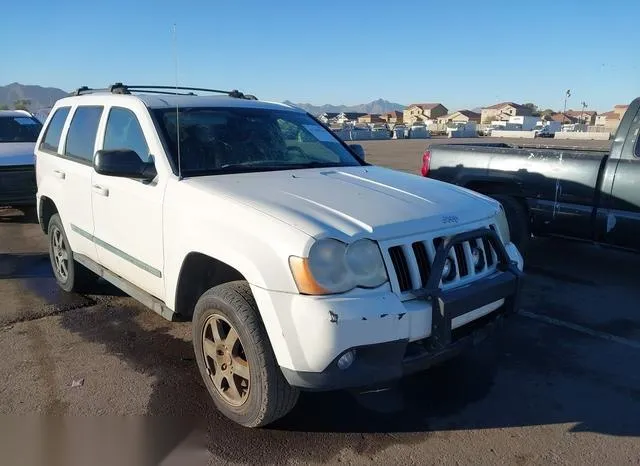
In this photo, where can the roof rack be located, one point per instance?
(119, 88)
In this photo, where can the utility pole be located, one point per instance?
(584, 106)
(566, 96)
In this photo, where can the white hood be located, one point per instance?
(16, 153)
(343, 202)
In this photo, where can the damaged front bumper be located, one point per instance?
(391, 338)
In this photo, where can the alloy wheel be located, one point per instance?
(225, 360)
(60, 254)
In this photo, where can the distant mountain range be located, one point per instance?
(377, 106)
(43, 97)
(39, 97)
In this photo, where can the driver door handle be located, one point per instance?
(101, 190)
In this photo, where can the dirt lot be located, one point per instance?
(559, 385)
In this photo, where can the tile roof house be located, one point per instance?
(394, 117)
(370, 118)
(423, 112)
(460, 116)
(620, 110)
(587, 116)
(608, 119)
(504, 110)
(564, 118)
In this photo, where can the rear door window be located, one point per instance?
(51, 139)
(81, 139)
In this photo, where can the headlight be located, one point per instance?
(335, 267)
(503, 225)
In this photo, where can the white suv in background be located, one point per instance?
(300, 265)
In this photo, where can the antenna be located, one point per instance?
(175, 49)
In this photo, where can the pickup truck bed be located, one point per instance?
(577, 193)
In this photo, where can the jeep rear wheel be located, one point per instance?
(235, 358)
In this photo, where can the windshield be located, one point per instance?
(235, 140)
(19, 129)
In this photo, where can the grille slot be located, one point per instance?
(488, 251)
(463, 269)
(420, 251)
(401, 267)
(412, 262)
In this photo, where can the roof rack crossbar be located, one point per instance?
(182, 88)
(167, 92)
(119, 88)
(127, 88)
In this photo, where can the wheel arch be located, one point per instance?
(198, 273)
(46, 209)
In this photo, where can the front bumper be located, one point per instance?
(18, 185)
(391, 338)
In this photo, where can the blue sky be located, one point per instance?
(466, 54)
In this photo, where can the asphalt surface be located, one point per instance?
(117, 384)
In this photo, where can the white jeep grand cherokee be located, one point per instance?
(300, 265)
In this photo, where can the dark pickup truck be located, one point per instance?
(576, 193)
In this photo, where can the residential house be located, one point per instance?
(588, 117)
(348, 117)
(612, 119)
(503, 111)
(371, 118)
(620, 110)
(461, 116)
(424, 113)
(394, 118)
(327, 118)
(563, 118)
(609, 120)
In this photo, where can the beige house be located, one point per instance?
(586, 117)
(370, 118)
(423, 112)
(461, 116)
(563, 118)
(620, 110)
(609, 120)
(503, 111)
(394, 117)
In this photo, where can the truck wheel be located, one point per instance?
(235, 358)
(518, 221)
(69, 274)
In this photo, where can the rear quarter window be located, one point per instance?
(51, 139)
(81, 139)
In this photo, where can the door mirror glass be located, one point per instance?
(358, 149)
(123, 163)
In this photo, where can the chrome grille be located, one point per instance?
(412, 262)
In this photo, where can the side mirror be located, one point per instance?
(123, 163)
(358, 149)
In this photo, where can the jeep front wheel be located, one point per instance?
(235, 358)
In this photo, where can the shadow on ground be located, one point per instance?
(23, 216)
(519, 379)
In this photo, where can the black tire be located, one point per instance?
(269, 397)
(78, 278)
(518, 221)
